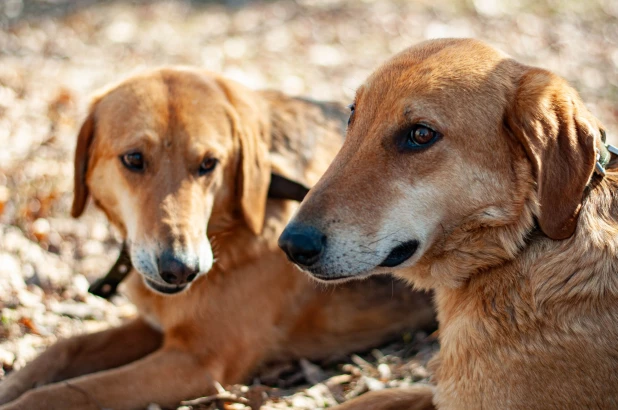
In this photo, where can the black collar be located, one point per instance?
(280, 188)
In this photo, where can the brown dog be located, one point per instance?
(180, 160)
(469, 173)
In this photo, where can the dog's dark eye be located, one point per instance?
(208, 165)
(421, 136)
(134, 161)
(351, 107)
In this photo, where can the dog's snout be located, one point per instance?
(302, 244)
(174, 271)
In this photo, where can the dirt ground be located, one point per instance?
(55, 53)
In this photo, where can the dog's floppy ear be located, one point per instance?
(250, 124)
(82, 151)
(558, 134)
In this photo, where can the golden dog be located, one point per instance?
(466, 172)
(180, 161)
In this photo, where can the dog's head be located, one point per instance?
(453, 151)
(170, 156)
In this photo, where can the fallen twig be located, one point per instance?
(222, 395)
(226, 397)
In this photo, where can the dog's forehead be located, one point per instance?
(438, 67)
(450, 84)
(137, 103)
(164, 105)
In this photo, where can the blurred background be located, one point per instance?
(55, 53)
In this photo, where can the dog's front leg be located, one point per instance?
(81, 355)
(165, 377)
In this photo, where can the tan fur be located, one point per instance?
(521, 247)
(253, 305)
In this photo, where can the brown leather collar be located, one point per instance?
(280, 188)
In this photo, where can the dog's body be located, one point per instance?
(482, 171)
(252, 305)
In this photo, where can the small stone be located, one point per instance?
(303, 402)
(322, 395)
(11, 276)
(99, 231)
(385, 372)
(26, 350)
(81, 284)
(93, 248)
(6, 358)
(77, 310)
(28, 299)
(40, 229)
(374, 384)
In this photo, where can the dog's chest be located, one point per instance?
(505, 364)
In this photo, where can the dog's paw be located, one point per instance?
(20, 404)
(58, 396)
(27, 400)
(10, 390)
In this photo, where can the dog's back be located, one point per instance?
(306, 134)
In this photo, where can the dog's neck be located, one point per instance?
(545, 276)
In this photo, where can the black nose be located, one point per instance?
(175, 272)
(303, 244)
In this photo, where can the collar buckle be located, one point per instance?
(612, 149)
(604, 153)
